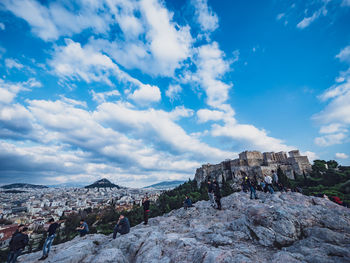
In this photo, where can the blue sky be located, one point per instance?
(146, 91)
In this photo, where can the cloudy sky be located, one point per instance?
(145, 91)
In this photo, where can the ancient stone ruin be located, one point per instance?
(255, 164)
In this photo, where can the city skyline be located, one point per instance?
(147, 91)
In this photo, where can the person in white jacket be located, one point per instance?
(268, 181)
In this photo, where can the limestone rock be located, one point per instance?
(284, 227)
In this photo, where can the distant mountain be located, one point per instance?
(103, 183)
(165, 185)
(20, 185)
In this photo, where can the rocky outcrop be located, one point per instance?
(255, 165)
(284, 227)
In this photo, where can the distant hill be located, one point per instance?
(103, 183)
(20, 185)
(165, 185)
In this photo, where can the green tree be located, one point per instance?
(332, 164)
(282, 178)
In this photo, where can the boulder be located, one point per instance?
(283, 227)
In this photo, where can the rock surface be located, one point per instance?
(284, 227)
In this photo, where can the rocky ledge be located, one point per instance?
(284, 227)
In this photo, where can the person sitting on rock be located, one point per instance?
(268, 181)
(122, 227)
(217, 194)
(51, 234)
(17, 244)
(251, 186)
(145, 204)
(211, 193)
(187, 202)
(83, 228)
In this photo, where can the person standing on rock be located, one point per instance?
(83, 228)
(217, 194)
(122, 227)
(17, 244)
(275, 178)
(268, 181)
(211, 193)
(187, 202)
(251, 186)
(145, 204)
(51, 234)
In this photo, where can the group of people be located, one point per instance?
(269, 184)
(20, 238)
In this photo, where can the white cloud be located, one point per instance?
(101, 97)
(330, 139)
(332, 128)
(211, 67)
(75, 62)
(344, 54)
(335, 117)
(250, 136)
(341, 156)
(338, 109)
(2, 26)
(308, 20)
(235, 54)
(168, 45)
(158, 127)
(146, 94)
(12, 63)
(280, 16)
(205, 115)
(206, 18)
(132, 144)
(55, 20)
(173, 92)
(8, 90)
(150, 41)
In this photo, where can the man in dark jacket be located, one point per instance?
(187, 202)
(122, 227)
(51, 234)
(211, 193)
(18, 242)
(217, 194)
(145, 204)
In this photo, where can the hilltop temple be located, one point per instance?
(255, 164)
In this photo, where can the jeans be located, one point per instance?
(270, 188)
(47, 244)
(13, 255)
(145, 216)
(218, 202)
(83, 232)
(252, 193)
(212, 199)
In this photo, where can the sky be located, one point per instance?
(146, 91)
